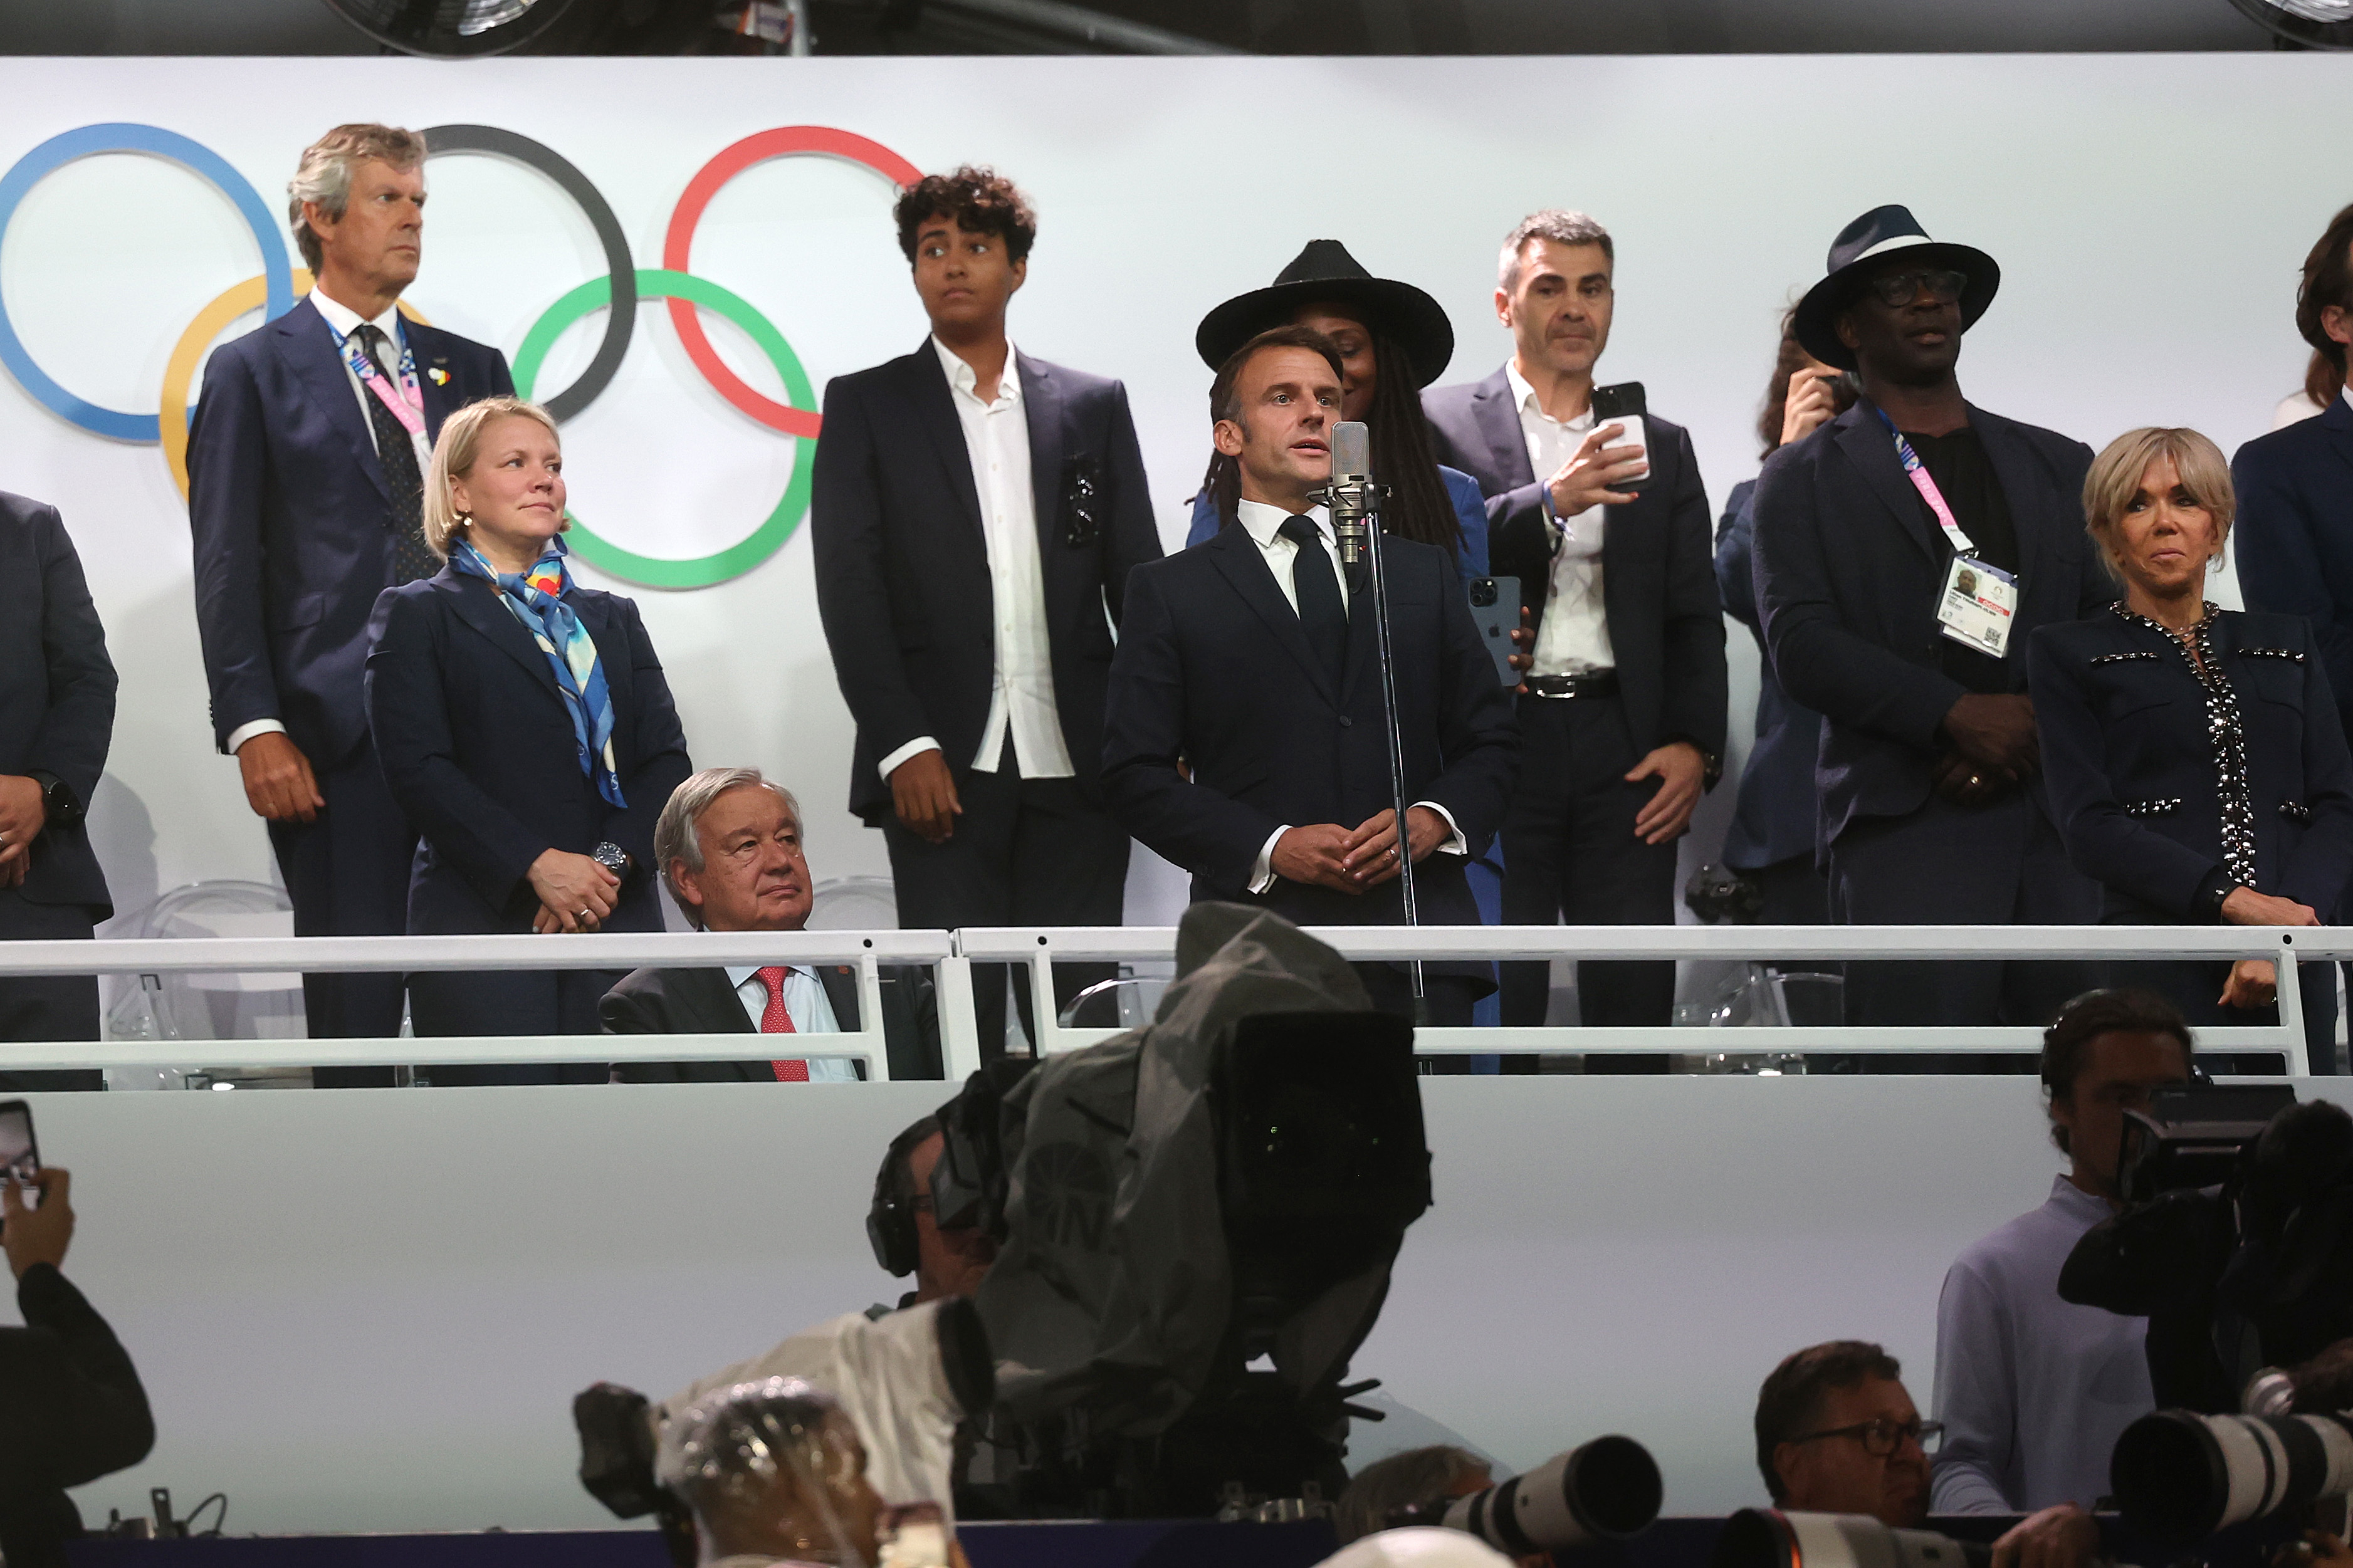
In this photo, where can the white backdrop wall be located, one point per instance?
(2150, 213)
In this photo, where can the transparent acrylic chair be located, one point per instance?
(210, 1006)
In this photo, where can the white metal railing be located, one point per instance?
(346, 954)
(1039, 947)
(951, 954)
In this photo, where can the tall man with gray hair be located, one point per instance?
(728, 846)
(1623, 713)
(305, 482)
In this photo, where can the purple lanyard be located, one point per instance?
(1926, 483)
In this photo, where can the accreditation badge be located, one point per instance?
(1980, 604)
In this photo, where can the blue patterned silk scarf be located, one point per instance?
(536, 597)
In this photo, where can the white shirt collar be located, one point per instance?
(1525, 401)
(737, 974)
(1264, 521)
(343, 318)
(964, 379)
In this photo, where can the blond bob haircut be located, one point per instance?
(675, 838)
(2115, 474)
(453, 459)
(328, 164)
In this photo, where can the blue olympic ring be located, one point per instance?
(82, 142)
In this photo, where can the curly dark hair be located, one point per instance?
(978, 199)
(1792, 1399)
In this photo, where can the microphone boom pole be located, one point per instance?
(1355, 503)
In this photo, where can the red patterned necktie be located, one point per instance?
(776, 1020)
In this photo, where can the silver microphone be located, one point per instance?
(1354, 497)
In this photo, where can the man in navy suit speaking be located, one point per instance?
(1244, 730)
(305, 465)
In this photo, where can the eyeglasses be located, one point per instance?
(1882, 1437)
(1896, 289)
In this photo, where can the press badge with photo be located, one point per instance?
(1980, 602)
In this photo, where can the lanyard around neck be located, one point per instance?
(1926, 483)
(407, 401)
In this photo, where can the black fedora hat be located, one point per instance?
(1325, 271)
(1863, 245)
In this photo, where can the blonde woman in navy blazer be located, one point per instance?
(2197, 766)
(525, 725)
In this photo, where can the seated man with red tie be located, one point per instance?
(729, 845)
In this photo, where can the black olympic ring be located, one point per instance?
(621, 320)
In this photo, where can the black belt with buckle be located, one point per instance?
(1590, 683)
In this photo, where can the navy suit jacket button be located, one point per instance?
(1346, 722)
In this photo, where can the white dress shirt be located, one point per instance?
(997, 440)
(345, 320)
(806, 1002)
(1575, 635)
(1261, 522)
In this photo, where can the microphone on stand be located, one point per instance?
(1354, 497)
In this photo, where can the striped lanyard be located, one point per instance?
(1926, 483)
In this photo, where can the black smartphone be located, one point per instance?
(1623, 405)
(20, 1156)
(1495, 611)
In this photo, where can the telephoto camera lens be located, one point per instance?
(2181, 1476)
(1606, 1490)
(1768, 1538)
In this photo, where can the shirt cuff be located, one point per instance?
(1262, 873)
(913, 748)
(1456, 844)
(244, 732)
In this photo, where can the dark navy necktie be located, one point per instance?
(410, 558)
(1323, 614)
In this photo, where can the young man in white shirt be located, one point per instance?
(975, 516)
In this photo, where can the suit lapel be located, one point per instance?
(308, 345)
(442, 398)
(1041, 409)
(2015, 468)
(2338, 420)
(935, 416)
(1499, 423)
(710, 1002)
(1237, 557)
(479, 605)
(1872, 450)
(841, 990)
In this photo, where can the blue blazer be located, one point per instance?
(1850, 569)
(1213, 668)
(1774, 820)
(293, 525)
(1666, 626)
(475, 742)
(1470, 511)
(2295, 546)
(57, 693)
(2135, 787)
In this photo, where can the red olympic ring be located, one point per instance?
(783, 142)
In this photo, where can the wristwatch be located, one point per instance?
(613, 858)
(59, 805)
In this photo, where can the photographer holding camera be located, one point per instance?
(71, 1408)
(2034, 1390)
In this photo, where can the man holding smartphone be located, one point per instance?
(1597, 507)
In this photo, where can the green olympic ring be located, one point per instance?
(654, 571)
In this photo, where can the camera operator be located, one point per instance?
(905, 1229)
(71, 1408)
(2033, 1390)
(1837, 1433)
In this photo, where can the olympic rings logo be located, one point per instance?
(274, 290)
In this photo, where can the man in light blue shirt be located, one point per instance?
(2033, 1391)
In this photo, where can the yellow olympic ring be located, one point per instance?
(180, 368)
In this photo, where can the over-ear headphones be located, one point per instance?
(890, 1219)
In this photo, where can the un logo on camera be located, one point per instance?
(1068, 1191)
